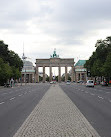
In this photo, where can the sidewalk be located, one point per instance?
(56, 116)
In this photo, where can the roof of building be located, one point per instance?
(80, 63)
(28, 63)
(80, 70)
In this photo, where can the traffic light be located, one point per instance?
(88, 73)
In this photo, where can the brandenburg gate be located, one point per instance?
(55, 61)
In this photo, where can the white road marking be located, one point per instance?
(20, 95)
(4, 93)
(100, 97)
(92, 94)
(109, 100)
(107, 92)
(2, 103)
(12, 98)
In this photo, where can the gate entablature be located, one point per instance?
(55, 61)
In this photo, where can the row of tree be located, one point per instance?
(99, 64)
(10, 64)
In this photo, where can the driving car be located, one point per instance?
(68, 82)
(104, 83)
(90, 83)
(51, 82)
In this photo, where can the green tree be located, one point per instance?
(10, 63)
(5, 72)
(47, 78)
(40, 78)
(63, 78)
(107, 66)
(99, 63)
(14, 60)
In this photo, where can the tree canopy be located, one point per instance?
(99, 64)
(10, 64)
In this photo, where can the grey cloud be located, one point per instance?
(79, 17)
(66, 20)
(15, 14)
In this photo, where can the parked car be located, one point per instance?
(90, 83)
(6, 85)
(68, 82)
(104, 83)
(51, 82)
(80, 81)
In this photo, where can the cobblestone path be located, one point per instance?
(56, 116)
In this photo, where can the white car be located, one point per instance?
(51, 82)
(90, 83)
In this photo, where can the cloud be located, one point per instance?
(70, 26)
(58, 18)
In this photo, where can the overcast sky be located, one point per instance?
(70, 26)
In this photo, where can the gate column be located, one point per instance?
(59, 76)
(65, 73)
(72, 73)
(50, 73)
(37, 74)
(43, 74)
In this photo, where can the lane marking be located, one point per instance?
(4, 93)
(2, 103)
(100, 97)
(20, 95)
(92, 94)
(12, 98)
(107, 92)
(109, 100)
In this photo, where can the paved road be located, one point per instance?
(56, 116)
(16, 104)
(94, 103)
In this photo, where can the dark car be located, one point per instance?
(104, 83)
(80, 81)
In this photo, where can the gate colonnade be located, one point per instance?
(55, 62)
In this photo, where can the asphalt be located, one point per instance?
(16, 104)
(94, 104)
(56, 116)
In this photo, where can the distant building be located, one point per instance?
(28, 72)
(80, 71)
